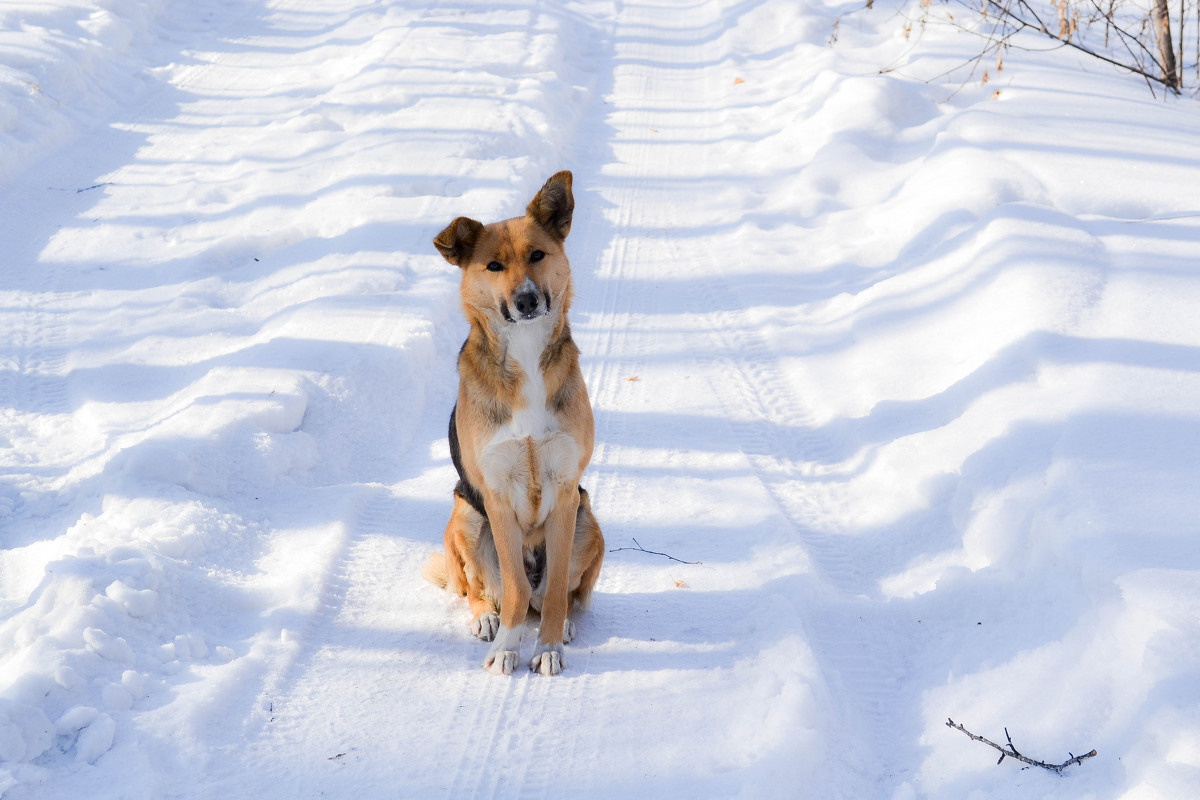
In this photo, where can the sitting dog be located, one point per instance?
(522, 534)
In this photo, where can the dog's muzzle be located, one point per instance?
(527, 303)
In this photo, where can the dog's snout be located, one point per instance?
(526, 302)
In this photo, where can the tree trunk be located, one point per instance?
(1162, 32)
(1179, 39)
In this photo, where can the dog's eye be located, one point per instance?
(536, 255)
(495, 266)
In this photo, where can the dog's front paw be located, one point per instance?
(485, 626)
(503, 662)
(505, 652)
(547, 661)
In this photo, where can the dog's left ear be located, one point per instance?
(553, 205)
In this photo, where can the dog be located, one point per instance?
(522, 534)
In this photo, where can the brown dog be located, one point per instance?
(522, 533)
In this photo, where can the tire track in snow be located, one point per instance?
(529, 730)
(501, 711)
(783, 445)
(369, 509)
(779, 440)
(643, 99)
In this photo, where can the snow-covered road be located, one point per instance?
(911, 369)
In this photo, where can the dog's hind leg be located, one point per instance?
(486, 585)
(588, 555)
(459, 532)
(469, 567)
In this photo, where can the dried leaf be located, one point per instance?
(736, 81)
(680, 584)
(634, 378)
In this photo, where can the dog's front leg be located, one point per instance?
(505, 652)
(560, 540)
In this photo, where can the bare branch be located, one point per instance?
(641, 549)
(1011, 751)
(1039, 26)
(1126, 36)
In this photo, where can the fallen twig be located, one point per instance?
(1011, 751)
(653, 553)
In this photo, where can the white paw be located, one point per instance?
(485, 626)
(568, 631)
(548, 661)
(505, 652)
(501, 663)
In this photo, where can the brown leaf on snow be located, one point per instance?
(736, 81)
(634, 378)
(680, 584)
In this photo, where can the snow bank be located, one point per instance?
(65, 67)
(156, 404)
(25, 732)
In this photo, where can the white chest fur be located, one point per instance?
(529, 460)
(526, 341)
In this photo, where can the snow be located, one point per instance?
(910, 367)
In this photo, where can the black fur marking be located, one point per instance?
(497, 413)
(463, 488)
(562, 397)
(535, 565)
(504, 311)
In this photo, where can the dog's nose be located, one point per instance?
(526, 302)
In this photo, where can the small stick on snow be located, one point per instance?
(1011, 750)
(653, 553)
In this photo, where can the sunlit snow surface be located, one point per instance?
(913, 369)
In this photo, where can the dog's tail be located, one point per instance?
(434, 570)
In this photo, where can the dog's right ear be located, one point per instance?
(554, 205)
(457, 242)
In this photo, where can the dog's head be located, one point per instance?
(517, 270)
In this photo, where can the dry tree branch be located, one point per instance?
(1020, 21)
(1011, 751)
(996, 41)
(653, 553)
(1126, 36)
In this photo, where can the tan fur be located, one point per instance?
(524, 433)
